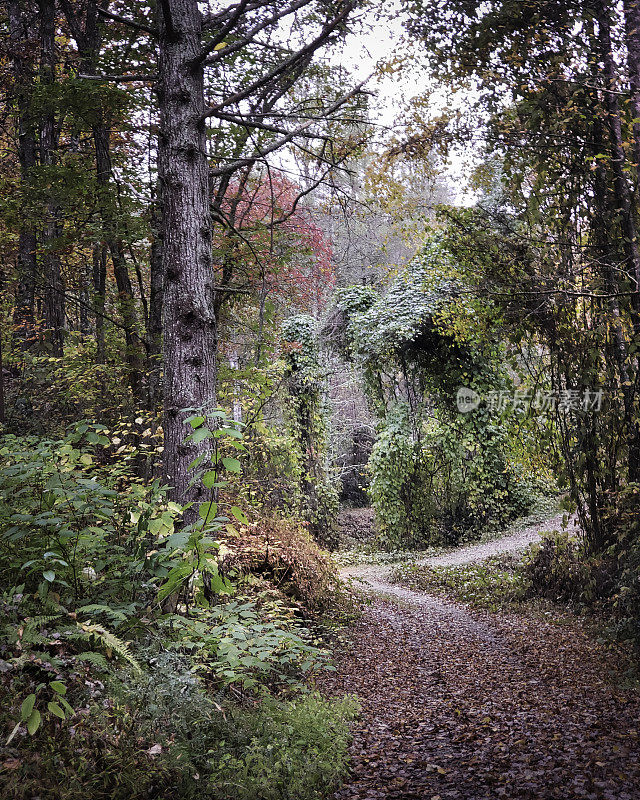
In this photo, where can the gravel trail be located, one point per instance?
(461, 705)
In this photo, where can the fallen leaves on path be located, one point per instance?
(480, 706)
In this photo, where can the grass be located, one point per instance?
(494, 583)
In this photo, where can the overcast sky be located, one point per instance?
(379, 42)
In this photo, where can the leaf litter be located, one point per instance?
(479, 706)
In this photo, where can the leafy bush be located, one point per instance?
(560, 569)
(399, 486)
(452, 482)
(236, 644)
(107, 696)
(57, 391)
(72, 527)
(157, 734)
(294, 751)
(286, 553)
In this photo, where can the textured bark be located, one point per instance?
(24, 318)
(53, 292)
(188, 320)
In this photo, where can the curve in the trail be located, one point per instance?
(460, 705)
(376, 575)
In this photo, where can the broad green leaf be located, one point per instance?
(232, 432)
(207, 510)
(58, 687)
(209, 479)
(55, 709)
(239, 514)
(27, 706)
(33, 723)
(199, 435)
(232, 464)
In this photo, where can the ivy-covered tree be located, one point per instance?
(434, 472)
(305, 412)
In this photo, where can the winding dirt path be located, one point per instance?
(477, 706)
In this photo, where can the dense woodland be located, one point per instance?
(241, 298)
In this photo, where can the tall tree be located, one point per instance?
(53, 286)
(21, 25)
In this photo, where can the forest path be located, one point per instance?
(477, 706)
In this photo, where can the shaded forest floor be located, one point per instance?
(477, 705)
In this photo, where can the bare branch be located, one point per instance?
(129, 22)
(299, 131)
(248, 37)
(120, 78)
(285, 65)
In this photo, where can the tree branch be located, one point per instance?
(300, 130)
(288, 63)
(138, 26)
(248, 37)
(120, 78)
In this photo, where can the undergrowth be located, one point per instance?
(144, 657)
(492, 583)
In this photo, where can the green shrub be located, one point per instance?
(73, 527)
(560, 569)
(400, 486)
(158, 735)
(291, 751)
(106, 696)
(235, 644)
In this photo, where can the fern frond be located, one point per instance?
(110, 642)
(40, 621)
(97, 659)
(95, 608)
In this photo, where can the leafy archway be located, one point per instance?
(435, 473)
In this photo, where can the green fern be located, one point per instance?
(97, 659)
(32, 629)
(39, 621)
(110, 642)
(95, 608)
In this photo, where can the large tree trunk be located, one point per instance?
(24, 318)
(189, 323)
(53, 293)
